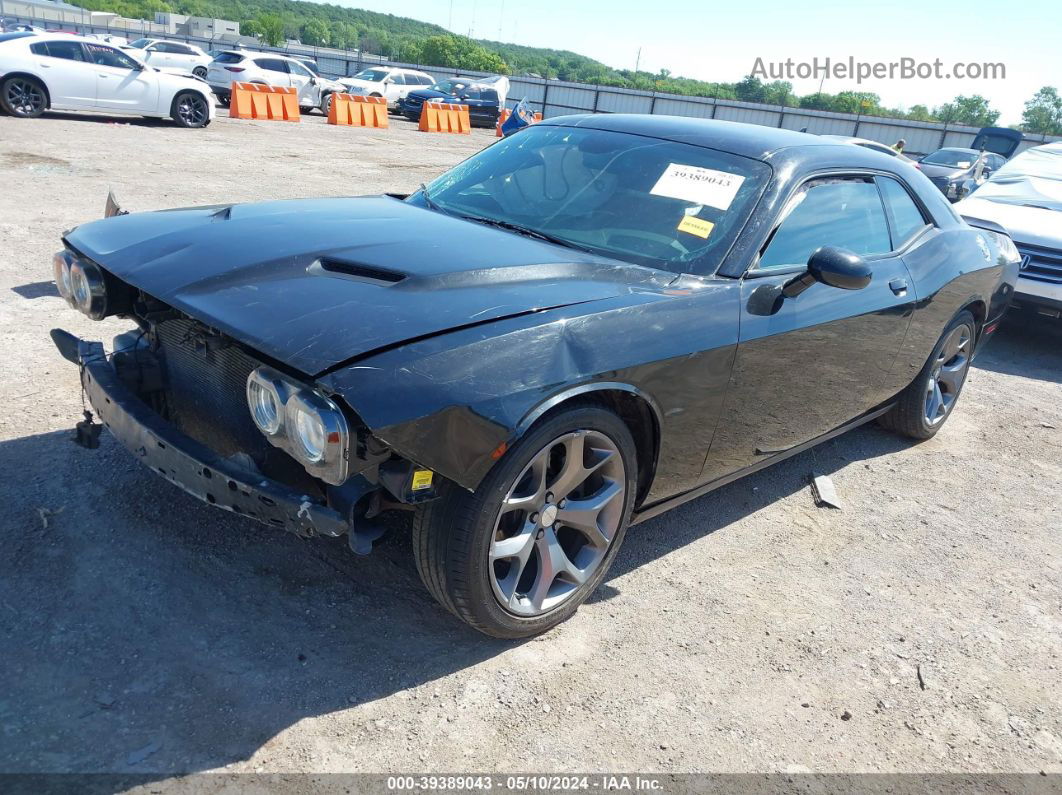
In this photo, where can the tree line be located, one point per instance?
(411, 41)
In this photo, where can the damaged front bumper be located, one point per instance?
(185, 462)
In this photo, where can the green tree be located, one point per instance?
(272, 27)
(751, 89)
(1043, 113)
(315, 33)
(973, 111)
(919, 113)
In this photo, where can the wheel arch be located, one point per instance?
(638, 411)
(31, 76)
(172, 110)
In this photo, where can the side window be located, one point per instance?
(273, 65)
(107, 56)
(180, 49)
(297, 69)
(846, 213)
(907, 219)
(427, 81)
(68, 50)
(398, 78)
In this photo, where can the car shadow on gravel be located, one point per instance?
(1025, 345)
(732, 503)
(148, 633)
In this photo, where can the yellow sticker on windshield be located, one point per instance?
(695, 226)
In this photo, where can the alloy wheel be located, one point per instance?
(192, 110)
(557, 522)
(25, 97)
(948, 374)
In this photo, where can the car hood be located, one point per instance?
(1038, 226)
(315, 283)
(368, 85)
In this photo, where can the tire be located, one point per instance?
(927, 402)
(326, 104)
(190, 109)
(24, 97)
(200, 71)
(456, 535)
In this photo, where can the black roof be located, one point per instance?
(749, 140)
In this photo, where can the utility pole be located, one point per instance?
(637, 60)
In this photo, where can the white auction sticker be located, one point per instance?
(698, 185)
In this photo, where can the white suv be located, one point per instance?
(242, 66)
(383, 81)
(170, 55)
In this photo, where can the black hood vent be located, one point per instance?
(366, 273)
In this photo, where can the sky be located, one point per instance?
(721, 42)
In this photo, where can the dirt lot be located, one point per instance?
(747, 631)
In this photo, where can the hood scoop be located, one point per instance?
(355, 270)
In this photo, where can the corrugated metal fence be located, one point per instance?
(556, 98)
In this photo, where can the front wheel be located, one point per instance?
(200, 71)
(520, 554)
(326, 104)
(24, 97)
(190, 109)
(929, 400)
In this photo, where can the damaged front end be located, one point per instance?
(225, 425)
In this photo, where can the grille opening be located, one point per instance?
(359, 271)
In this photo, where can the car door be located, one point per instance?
(156, 55)
(274, 71)
(67, 72)
(809, 364)
(305, 84)
(394, 86)
(183, 57)
(121, 85)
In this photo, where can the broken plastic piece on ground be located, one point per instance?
(825, 493)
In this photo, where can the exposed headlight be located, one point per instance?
(301, 421)
(88, 292)
(308, 432)
(267, 407)
(61, 271)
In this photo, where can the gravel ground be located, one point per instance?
(918, 629)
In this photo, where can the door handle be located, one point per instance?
(898, 286)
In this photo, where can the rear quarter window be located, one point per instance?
(229, 57)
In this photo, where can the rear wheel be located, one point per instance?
(326, 104)
(200, 71)
(519, 556)
(927, 403)
(190, 109)
(24, 97)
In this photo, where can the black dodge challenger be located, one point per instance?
(576, 329)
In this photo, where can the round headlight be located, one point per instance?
(308, 433)
(61, 272)
(87, 290)
(265, 407)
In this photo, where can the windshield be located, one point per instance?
(372, 75)
(449, 86)
(140, 44)
(646, 201)
(955, 158)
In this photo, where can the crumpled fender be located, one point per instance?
(453, 402)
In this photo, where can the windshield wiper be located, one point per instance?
(428, 200)
(526, 231)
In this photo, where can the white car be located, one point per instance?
(243, 66)
(1024, 196)
(388, 82)
(171, 55)
(63, 72)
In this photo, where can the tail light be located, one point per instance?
(235, 68)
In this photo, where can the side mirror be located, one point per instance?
(834, 267)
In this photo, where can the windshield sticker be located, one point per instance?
(698, 185)
(695, 226)
(964, 164)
